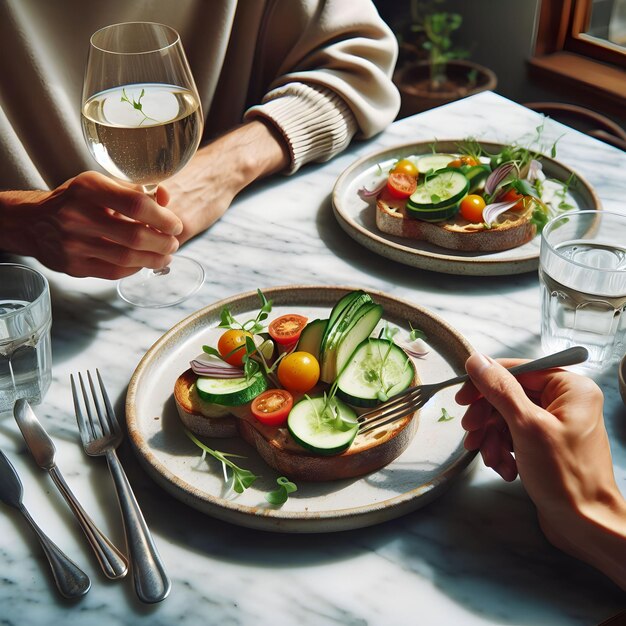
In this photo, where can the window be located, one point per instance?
(583, 43)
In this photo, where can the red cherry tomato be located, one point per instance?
(401, 185)
(471, 208)
(406, 166)
(232, 346)
(272, 407)
(299, 371)
(286, 329)
(511, 195)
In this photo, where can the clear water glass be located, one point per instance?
(582, 275)
(25, 322)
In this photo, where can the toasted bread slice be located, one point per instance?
(276, 447)
(513, 228)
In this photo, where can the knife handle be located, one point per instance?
(113, 563)
(71, 581)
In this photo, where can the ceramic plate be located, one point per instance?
(426, 468)
(357, 216)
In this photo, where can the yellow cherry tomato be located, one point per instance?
(406, 166)
(299, 371)
(472, 208)
(232, 346)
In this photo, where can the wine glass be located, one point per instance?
(142, 121)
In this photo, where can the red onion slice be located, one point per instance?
(492, 211)
(417, 348)
(497, 176)
(214, 367)
(369, 193)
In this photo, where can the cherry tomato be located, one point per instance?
(232, 346)
(511, 195)
(299, 371)
(406, 166)
(401, 185)
(272, 407)
(463, 160)
(471, 208)
(286, 329)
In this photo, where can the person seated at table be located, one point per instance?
(548, 427)
(282, 83)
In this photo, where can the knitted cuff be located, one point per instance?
(315, 122)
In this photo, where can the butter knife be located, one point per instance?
(113, 563)
(71, 581)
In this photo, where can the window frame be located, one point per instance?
(563, 51)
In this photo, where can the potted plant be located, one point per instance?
(431, 70)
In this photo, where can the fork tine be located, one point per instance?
(391, 405)
(388, 417)
(103, 418)
(83, 427)
(91, 430)
(112, 419)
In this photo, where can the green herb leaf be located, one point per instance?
(445, 416)
(211, 350)
(242, 478)
(227, 320)
(280, 495)
(416, 333)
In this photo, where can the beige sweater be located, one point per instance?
(319, 70)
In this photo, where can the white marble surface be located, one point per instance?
(474, 557)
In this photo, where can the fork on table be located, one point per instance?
(101, 434)
(415, 398)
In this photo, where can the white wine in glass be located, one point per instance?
(142, 121)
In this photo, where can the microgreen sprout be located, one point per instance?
(416, 333)
(253, 326)
(445, 416)
(242, 478)
(136, 104)
(280, 495)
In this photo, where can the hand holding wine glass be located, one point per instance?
(142, 121)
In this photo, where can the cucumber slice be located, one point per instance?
(355, 329)
(477, 175)
(434, 162)
(334, 335)
(378, 370)
(364, 323)
(231, 391)
(338, 311)
(311, 337)
(447, 187)
(322, 434)
(432, 215)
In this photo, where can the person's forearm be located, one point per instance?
(203, 190)
(594, 532)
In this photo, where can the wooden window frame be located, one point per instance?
(589, 66)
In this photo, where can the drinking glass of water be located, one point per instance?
(25, 321)
(142, 122)
(582, 275)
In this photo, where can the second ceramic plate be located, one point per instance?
(426, 468)
(357, 215)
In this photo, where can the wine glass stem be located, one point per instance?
(151, 192)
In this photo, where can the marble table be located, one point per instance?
(474, 556)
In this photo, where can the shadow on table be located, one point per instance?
(399, 274)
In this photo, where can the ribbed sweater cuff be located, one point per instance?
(315, 122)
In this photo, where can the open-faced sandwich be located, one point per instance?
(294, 390)
(471, 202)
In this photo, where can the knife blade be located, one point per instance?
(112, 561)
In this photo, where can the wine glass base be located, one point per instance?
(154, 289)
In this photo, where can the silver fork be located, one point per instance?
(101, 434)
(415, 398)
